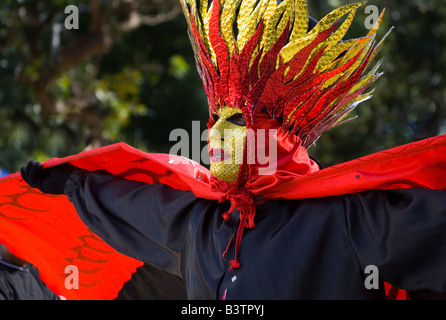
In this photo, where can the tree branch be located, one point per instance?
(136, 19)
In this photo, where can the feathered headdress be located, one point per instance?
(260, 56)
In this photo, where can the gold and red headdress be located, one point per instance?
(260, 56)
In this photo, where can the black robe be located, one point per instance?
(300, 249)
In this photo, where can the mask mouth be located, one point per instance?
(217, 155)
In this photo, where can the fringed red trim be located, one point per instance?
(243, 201)
(247, 212)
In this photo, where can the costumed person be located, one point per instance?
(281, 228)
(20, 280)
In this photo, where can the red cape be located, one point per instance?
(46, 231)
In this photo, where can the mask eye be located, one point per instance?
(215, 117)
(237, 119)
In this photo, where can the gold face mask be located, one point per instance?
(226, 143)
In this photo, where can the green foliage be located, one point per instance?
(66, 90)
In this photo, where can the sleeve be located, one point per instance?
(38, 286)
(144, 221)
(403, 234)
(5, 289)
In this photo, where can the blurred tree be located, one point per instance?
(127, 74)
(123, 75)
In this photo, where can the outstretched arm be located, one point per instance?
(147, 222)
(403, 234)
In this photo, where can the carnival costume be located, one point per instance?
(272, 227)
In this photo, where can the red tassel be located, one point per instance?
(234, 265)
(242, 200)
(227, 215)
(227, 247)
(244, 203)
(238, 238)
